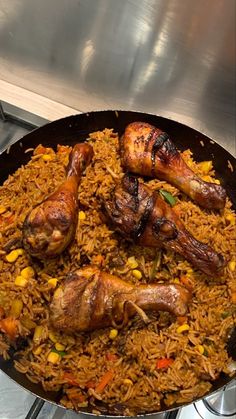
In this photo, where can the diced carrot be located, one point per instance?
(70, 379)
(63, 149)
(107, 377)
(233, 297)
(2, 312)
(40, 149)
(186, 282)
(98, 260)
(164, 363)
(9, 326)
(111, 357)
(182, 319)
(74, 394)
(7, 220)
(90, 384)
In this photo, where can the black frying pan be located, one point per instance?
(76, 128)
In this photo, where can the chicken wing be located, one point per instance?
(90, 299)
(144, 217)
(51, 225)
(148, 151)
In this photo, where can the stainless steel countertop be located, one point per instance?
(175, 58)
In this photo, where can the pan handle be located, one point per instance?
(35, 408)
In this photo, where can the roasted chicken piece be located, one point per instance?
(51, 225)
(143, 216)
(148, 151)
(90, 299)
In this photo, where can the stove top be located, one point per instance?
(17, 403)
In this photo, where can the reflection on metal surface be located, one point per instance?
(169, 57)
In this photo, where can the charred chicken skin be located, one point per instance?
(148, 151)
(51, 225)
(143, 216)
(91, 299)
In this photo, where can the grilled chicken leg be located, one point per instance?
(91, 299)
(51, 225)
(148, 151)
(144, 217)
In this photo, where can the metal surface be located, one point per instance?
(175, 58)
(72, 129)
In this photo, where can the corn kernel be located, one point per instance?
(230, 218)
(46, 157)
(53, 357)
(183, 328)
(132, 262)
(176, 281)
(200, 349)
(137, 274)
(20, 281)
(38, 331)
(127, 381)
(52, 337)
(38, 350)
(113, 334)
(27, 272)
(20, 252)
(2, 209)
(12, 256)
(232, 265)
(217, 181)
(53, 282)
(205, 166)
(59, 347)
(82, 215)
(16, 308)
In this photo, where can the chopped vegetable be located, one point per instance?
(132, 262)
(16, 308)
(53, 357)
(233, 297)
(176, 281)
(82, 215)
(53, 282)
(128, 382)
(181, 319)
(20, 281)
(2, 209)
(155, 266)
(38, 332)
(61, 353)
(230, 218)
(70, 379)
(137, 274)
(200, 349)
(27, 322)
(111, 357)
(186, 282)
(9, 326)
(98, 260)
(168, 197)
(107, 377)
(12, 256)
(59, 346)
(47, 157)
(164, 363)
(58, 292)
(38, 350)
(90, 384)
(232, 265)
(183, 328)
(52, 337)
(20, 251)
(225, 314)
(113, 334)
(28, 272)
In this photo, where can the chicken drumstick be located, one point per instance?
(91, 299)
(148, 151)
(51, 225)
(144, 217)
